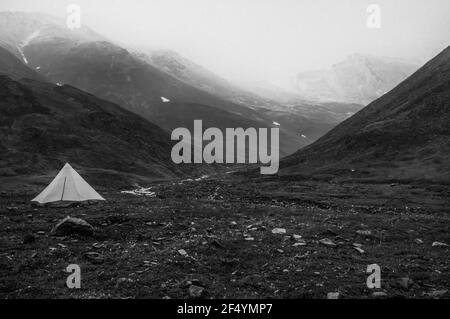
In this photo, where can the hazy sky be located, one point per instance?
(264, 40)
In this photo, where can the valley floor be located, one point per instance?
(217, 233)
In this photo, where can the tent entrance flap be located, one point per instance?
(64, 187)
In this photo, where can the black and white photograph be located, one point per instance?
(196, 151)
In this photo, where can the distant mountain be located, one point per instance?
(18, 29)
(301, 121)
(43, 125)
(161, 86)
(197, 76)
(359, 79)
(405, 134)
(113, 73)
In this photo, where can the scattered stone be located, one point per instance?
(327, 242)
(72, 226)
(279, 231)
(196, 291)
(98, 245)
(364, 232)
(216, 244)
(333, 295)
(378, 294)
(436, 293)
(418, 241)
(41, 232)
(330, 232)
(249, 238)
(94, 257)
(297, 237)
(405, 282)
(123, 281)
(182, 252)
(438, 244)
(189, 282)
(300, 243)
(358, 249)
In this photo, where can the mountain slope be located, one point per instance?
(18, 29)
(404, 134)
(193, 74)
(168, 90)
(359, 79)
(42, 126)
(10, 65)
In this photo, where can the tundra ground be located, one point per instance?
(217, 234)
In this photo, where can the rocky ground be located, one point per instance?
(223, 237)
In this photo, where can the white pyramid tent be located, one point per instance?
(67, 186)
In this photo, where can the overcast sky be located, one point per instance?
(264, 40)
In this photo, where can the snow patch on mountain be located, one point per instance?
(22, 55)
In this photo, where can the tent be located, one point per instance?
(67, 187)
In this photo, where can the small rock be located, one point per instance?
(196, 291)
(279, 231)
(300, 243)
(122, 281)
(72, 226)
(297, 237)
(418, 241)
(249, 238)
(378, 294)
(94, 257)
(364, 232)
(182, 252)
(405, 282)
(333, 295)
(98, 245)
(438, 244)
(359, 250)
(436, 293)
(327, 242)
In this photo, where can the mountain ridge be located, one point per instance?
(405, 131)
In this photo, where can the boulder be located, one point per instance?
(196, 291)
(72, 226)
